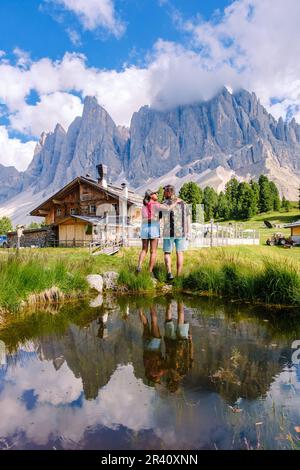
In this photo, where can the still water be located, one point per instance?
(138, 373)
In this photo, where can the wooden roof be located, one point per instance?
(111, 190)
(293, 224)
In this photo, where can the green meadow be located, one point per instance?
(264, 274)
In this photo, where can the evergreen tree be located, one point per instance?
(275, 196)
(192, 194)
(265, 194)
(246, 204)
(285, 204)
(231, 192)
(255, 193)
(5, 225)
(210, 201)
(223, 208)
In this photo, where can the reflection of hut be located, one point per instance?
(295, 231)
(87, 210)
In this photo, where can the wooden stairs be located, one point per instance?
(105, 248)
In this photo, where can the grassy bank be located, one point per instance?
(257, 274)
(265, 274)
(271, 283)
(278, 218)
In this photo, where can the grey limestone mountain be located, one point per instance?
(10, 182)
(232, 131)
(207, 142)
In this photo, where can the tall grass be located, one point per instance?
(274, 283)
(23, 276)
(279, 283)
(241, 274)
(135, 282)
(205, 279)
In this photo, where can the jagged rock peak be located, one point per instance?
(59, 128)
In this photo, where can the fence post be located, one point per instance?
(211, 232)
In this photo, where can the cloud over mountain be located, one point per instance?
(252, 44)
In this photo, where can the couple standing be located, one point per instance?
(169, 220)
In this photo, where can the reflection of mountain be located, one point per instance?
(232, 358)
(235, 354)
(95, 359)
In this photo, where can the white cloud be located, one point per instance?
(51, 109)
(259, 40)
(50, 418)
(177, 77)
(121, 93)
(13, 152)
(74, 36)
(94, 14)
(23, 58)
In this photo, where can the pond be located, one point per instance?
(144, 373)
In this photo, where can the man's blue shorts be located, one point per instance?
(181, 244)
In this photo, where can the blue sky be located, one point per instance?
(33, 26)
(129, 53)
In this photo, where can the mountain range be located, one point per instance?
(206, 142)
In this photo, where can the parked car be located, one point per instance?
(3, 241)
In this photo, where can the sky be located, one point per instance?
(130, 53)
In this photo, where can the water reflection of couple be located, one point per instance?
(178, 358)
(170, 221)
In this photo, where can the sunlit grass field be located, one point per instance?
(276, 218)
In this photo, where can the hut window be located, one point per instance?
(89, 230)
(93, 209)
(72, 211)
(58, 211)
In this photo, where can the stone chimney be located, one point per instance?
(102, 172)
(124, 190)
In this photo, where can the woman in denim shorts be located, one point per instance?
(150, 229)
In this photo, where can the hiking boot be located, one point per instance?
(170, 277)
(138, 270)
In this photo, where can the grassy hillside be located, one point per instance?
(277, 218)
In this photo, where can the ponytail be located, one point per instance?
(146, 200)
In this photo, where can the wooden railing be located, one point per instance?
(101, 246)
